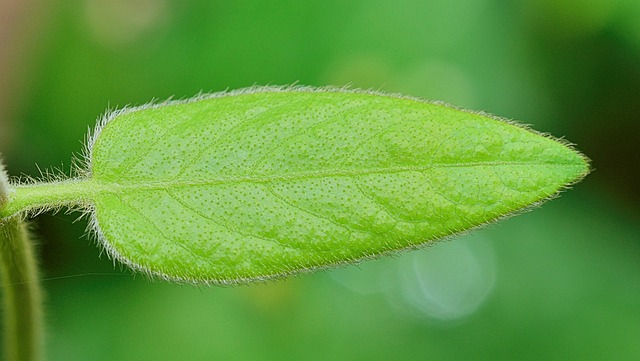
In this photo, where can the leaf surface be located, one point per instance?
(262, 183)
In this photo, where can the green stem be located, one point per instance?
(23, 326)
(47, 195)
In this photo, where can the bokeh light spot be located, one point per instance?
(448, 282)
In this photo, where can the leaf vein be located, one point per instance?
(132, 162)
(160, 232)
(380, 204)
(365, 141)
(227, 134)
(214, 220)
(288, 140)
(311, 175)
(304, 210)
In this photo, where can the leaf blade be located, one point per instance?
(270, 182)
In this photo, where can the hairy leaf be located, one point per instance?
(265, 182)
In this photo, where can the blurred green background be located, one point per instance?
(559, 283)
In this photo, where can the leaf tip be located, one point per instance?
(582, 164)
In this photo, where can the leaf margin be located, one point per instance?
(102, 241)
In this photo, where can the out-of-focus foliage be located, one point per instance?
(559, 283)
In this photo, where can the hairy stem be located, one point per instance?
(22, 198)
(21, 293)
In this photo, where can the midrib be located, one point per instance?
(177, 182)
(83, 191)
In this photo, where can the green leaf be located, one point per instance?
(267, 182)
